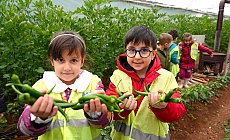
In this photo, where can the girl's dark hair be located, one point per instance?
(139, 34)
(185, 35)
(173, 33)
(66, 40)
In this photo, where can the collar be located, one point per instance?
(50, 79)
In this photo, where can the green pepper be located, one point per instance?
(79, 106)
(62, 112)
(15, 79)
(65, 105)
(111, 99)
(87, 98)
(141, 93)
(168, 95)
(50, 90)
(108, 105)
(118, 90)
(174, 100)
(146, 89)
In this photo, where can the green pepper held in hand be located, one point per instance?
(118, 90)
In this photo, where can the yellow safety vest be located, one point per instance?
(144, 125)
(174, 68)
(78, 127)
(194, 51)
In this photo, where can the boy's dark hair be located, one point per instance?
(143, 34)
(165, 38)
(173, 33)
(66, 40)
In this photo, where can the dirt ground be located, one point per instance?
(200, 122)
(204, 122)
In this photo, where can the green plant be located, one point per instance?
(227, 130)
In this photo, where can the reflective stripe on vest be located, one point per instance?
(194, 51)
(151, 127)
(136, 134)
(73, 122)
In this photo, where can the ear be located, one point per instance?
(153, 54)
(51, 61)
(83, 60)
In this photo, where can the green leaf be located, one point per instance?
(40, 70)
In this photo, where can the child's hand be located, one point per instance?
(153, 97)
(130, 103)
(1, 115)
(43, 107)
(211, 55)
(95, 105)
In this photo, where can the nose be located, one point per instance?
(67, 67)
(138, 55)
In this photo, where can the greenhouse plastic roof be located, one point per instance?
(206, 6)
(170, 7)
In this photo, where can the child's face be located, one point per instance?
(139, 63)
(167, 45)
(68, 67)
(187, 40)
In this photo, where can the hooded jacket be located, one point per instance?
(186, 62)
(172, 109)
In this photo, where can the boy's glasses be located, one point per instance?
(144, 53)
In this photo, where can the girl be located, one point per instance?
(189, 54)
(67, 53)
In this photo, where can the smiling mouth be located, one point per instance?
(67, 73)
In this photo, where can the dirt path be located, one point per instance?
(204, 122)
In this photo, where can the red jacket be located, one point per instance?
(186, 62)
(175, 111)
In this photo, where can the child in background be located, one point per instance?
(137, 67)
(2, 103)
(163, 53)
(67, 53)
(174, 53)
(189, 54)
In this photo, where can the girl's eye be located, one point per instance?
(75, 60)
(60, 59)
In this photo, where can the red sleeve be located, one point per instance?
(112, 91)
(204, 49)
(172, 112)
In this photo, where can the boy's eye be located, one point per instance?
(145, 50)
(131, 50)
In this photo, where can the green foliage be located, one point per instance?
(227, 130)
(202, 93)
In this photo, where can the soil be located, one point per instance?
(200, 122)
(204, 121)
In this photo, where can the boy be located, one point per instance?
(165, 40)
(137, 67)
(174, 53)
